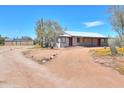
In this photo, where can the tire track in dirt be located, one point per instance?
(24, 72)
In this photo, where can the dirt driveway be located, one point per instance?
(73, 67)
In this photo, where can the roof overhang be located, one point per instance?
(83, 35)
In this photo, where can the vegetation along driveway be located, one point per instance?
(72, 67)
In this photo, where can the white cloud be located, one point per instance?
(93, 23)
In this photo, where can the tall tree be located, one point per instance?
(48, 31)
(117, 19)
(117, 23)
(40, 32)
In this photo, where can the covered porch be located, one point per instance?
(82, 41)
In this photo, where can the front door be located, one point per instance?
(99, 42)
(70, 41)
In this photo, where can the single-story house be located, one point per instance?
(88, 39)
(18, 42)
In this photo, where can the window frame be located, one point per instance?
(78, 40)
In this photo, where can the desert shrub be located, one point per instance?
(120, 50)
(37, 45)
(120, 69)
(102, 52)
(107, 51)
(2, 40)
(116, 41)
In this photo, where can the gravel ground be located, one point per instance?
(72, 67)
(78, 69)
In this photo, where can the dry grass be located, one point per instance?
(103, 56)
(120, 70)
(107, 52)
(37, 46)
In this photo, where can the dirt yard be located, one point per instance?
(72, 67)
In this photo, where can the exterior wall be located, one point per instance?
(63, 42)
(74, 41)
(92, 42)
(104, 42)
(8, 43)
(14, 43)
(58, 43)
(31, 43)
(88, 42)
(26, 43)
(18, 42)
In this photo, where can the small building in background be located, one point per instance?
(24, 41)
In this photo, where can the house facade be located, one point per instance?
(86, 39)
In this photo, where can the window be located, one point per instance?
(78, 40)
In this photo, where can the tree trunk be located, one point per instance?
(113, 50)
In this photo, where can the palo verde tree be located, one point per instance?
(117, 23)
(117, 20)
(40, 32)
(47, 32)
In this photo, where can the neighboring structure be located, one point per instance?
(88, 39)
(18, 42)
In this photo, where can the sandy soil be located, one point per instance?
(72, 67)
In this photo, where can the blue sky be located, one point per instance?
(17, 21)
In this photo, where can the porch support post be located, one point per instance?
(91, 41)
